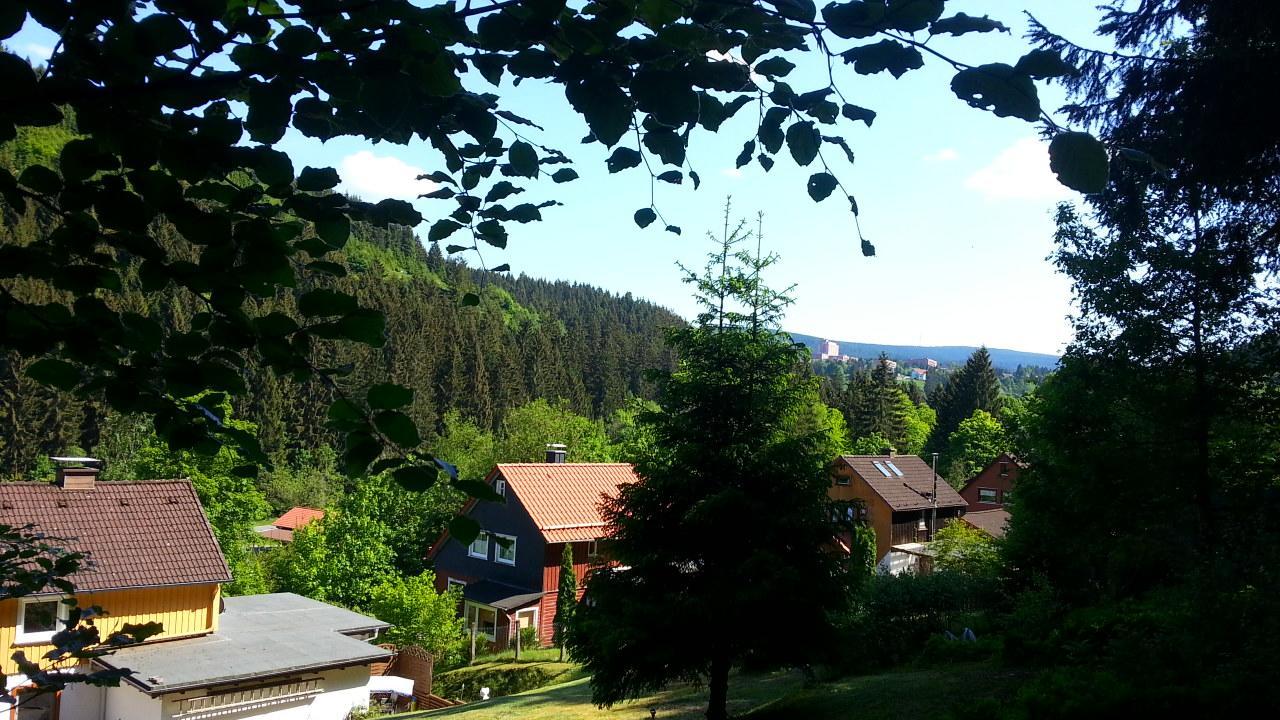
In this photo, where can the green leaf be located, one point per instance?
(317, 179)
(492, 232)
(464, 529)
(362, 449)
(41, 179)
(364, 326)
(775, 67)
(803, 140)
(820, 185)
(80, 159)
(322, 302)
(416, 478)
(442, 229)
(856, 112)
(800, 10)
(999, 88)
(54, 373)
(744, 157)
(675, 229)
(479, 490)
(470, 300)
(854, 20)
(644, 217)
(868, 250)
(912, 15)
(1080, 161)
(884, 55)
(623, 158)
(162, 33)
(523, 159)
(657, 14)
(272, 167)
(564, 175)
(606, 108)
(960, 24)
(667, 95)
(398, 428)
(1041, 64)
(12, 15)
(298, 41)
(388, 396)
(501, 190)
(334, 229)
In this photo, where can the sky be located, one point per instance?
(957, 201)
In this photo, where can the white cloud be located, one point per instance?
(732, 172)
(943, 155)
(377, 177)
(1019, 172)
(39, 52)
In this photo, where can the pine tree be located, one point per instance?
(566, 598)
(972, 388)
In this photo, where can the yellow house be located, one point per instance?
(151, 556)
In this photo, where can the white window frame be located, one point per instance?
(472, 617)
(842, 479)
(995, 495)
(500, 487)
(593, 548)
(498, 549)
(533, 624)
(471, 549)
(21, 637)
(451, 583)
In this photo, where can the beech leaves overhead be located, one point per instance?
(178, 105)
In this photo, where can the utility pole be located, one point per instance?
(933, 499)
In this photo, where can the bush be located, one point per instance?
(529, 639)
(501, 680)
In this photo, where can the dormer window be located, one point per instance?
(39, 619)
(988, 495)
(500, 487)
(1004, 469)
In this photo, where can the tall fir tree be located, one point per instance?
(566, 599)
(971, 388)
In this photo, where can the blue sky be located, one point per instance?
(957, 201)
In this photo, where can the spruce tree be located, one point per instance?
(566, 598)
(728, 522)
(972, 388)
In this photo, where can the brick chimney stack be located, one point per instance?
(76, 473)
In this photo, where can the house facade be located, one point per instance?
(894, 493)
(510, 574)
(151, 556)
(993, 487)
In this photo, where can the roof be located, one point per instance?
(1002, 457)
(564, 498)
(993, 522)
(500, 595)
(275, 533)
(258, 636)
(297, 517)
(911, 490)
(134, 534)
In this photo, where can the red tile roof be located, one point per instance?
(992, 522)
(909, 491)
(135, 534)
(277, 534)
(564, 498)
(297, 517)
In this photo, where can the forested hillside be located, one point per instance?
(526, 339)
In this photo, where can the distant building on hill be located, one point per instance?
(827, 350)
(924, 362)
(892, 364)
(919, 374)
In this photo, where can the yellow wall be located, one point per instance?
(183, 610)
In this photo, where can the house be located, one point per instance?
(894, 494)
(511, 573)
(152, 556)
(924, 362)
(919, 374)
(993, 486)
(281, 529)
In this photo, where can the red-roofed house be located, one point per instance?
(992, 488)
(281, 529)
(511, 572)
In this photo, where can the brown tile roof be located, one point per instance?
(992, 522)
(297, 517)
(277, 534)
(911, 490)
(135, 534)
(564, 498)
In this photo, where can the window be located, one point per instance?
(452, 583)
(527, 618)
(881, 468)
(505, 549)
(988, 495)
(1004, 469)
(479, 547)
(842, 479)
(894, 468)
(38, 619)
(484, 619)
(500, 487)
(593, 548)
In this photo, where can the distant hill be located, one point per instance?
(944, 354)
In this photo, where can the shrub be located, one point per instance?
(529, 638)
(501, 680)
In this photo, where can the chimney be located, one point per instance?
(889, 451)
(76, 473)
(556, 453)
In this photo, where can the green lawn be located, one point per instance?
(908, 695)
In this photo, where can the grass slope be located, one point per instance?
(892, 696)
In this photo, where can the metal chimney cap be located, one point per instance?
(77, 460)
(557, 446)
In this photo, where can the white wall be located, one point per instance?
(129, 703)
(82, 701)
(344, 689)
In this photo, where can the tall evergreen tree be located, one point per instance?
(730, 517)
(566, 598)
(971, 388)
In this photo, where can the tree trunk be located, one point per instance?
(718, 702)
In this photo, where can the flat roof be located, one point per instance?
(258, 636)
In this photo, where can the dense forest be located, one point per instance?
(526, 339)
